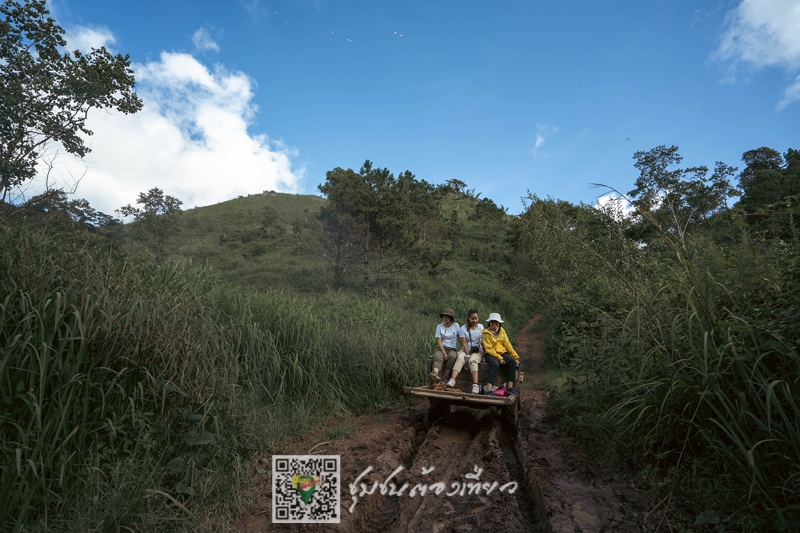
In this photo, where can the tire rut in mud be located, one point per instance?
(383, 510)
(454, 446)
(529, 499)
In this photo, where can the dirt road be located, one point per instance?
(558, 487)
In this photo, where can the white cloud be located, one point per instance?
(191, 140)
(84, 39)
(764, 33)
(791, 94)
(255, 10)
(203, 42)
(615, 205)
(544, 131)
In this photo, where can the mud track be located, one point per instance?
(558, 488)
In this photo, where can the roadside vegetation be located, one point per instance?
(674, 334)
(146, 367)
(142, 383)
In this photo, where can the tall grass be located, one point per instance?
(134, 393)
(696, 373)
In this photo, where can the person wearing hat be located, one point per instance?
(445, 356)
(499, 352)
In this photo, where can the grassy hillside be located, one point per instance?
(253, 241)
(271, 241)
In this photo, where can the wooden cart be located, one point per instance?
(441, 401)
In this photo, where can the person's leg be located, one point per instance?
(474, 360)
(437, 362)
(451, 361)
(459, 363)
(452, 365)
(494, 368)
(511, 368)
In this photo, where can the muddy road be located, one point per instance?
(536, 481)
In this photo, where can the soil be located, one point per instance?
(559, 487)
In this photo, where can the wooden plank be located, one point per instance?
(460, 396)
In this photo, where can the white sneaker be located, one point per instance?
(476, 389)
(451, 382)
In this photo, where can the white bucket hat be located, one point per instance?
(495, 317)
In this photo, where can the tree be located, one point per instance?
(489, 214)
(678, 197)
(352, 196)
(46, 94)
(456, 185)
(759, 159)
(771, 195)
(159, 214)
(335, 247)
(424, 202)
(379, 211)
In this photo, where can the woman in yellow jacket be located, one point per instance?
(499, 352)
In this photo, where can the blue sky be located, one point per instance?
(244, 96)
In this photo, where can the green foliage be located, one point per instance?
(674, 335)
(772, 193)
(134, 393)
(759, 159)
(46, 94)
(157, 216)
(677, 198)
(376, 210)
(54, 208)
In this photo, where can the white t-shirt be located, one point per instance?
(448, 335)
(473, 336)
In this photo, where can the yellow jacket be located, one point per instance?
(499, 345)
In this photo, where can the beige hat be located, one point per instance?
(448, 312)
(495, 317)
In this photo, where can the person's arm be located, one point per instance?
(509, 348)
(489, 344)
(464, 342)
(441, 347)
(439, 340)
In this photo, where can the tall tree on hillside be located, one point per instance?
(336, 248)
(404, 213)
(158, 214)
(677, 197)
(759, 159)
(772, 197)
(456, 185)
(382, 213)
(423, 201)
(354, 196)
(46, 94)
(490, 215)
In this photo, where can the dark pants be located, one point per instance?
(494, 368)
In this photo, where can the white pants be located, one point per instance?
(474, 359)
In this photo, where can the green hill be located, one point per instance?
(273, 241)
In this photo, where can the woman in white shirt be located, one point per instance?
(472, 347)
(445, 355)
